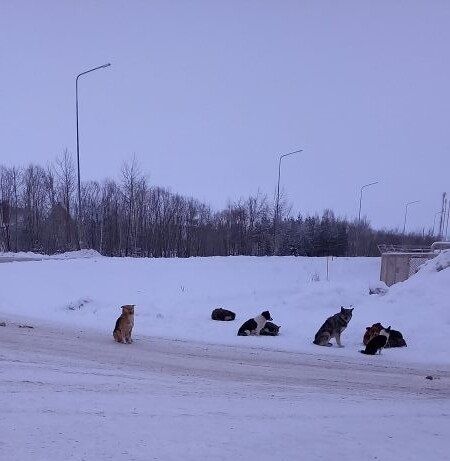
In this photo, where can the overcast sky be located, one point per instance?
(207, 94)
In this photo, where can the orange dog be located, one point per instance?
(371, 332)
(124, 325)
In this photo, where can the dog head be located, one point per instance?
(266, 315)
(346, 314)
(128, 309)
(272, 327)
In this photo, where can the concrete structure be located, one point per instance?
(398, 262)
(399, 266)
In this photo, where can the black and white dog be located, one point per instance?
(378, 342)
(254, 326)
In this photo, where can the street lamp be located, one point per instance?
(434, 220)
(78, 137)
(278, 196)
(406, 213)
(360, 197)
(446, 226)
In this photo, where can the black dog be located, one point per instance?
(222, 314)
(255, 325)
(395, 339)
(270, 329)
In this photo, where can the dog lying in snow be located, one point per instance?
(269, 329)
(377, 342)
(255, 325)
(395, 337)
(222, 314)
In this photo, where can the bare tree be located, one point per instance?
(65, 172)
(131, 217)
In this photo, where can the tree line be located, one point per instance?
(131, 217)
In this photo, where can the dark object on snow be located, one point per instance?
(429, 377)
(371, 332)
(396, 339)
(26, 326)
(223, 315)
(377, 343)
(378, 290)
(2, 324)
(255, 325)
(270, 329)
(333, 328)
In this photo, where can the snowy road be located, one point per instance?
(76, 395)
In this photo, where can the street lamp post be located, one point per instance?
(360, 197)
(446, 226)
(78, 136)
(406, 213)
(277, 205)
(434, 220)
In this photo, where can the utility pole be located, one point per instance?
(434, 220)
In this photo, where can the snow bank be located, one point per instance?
(174, 298)
(439, 263)
(29, 255)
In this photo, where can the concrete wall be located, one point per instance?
(398, 267)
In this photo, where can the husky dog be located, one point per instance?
(395, 337)
(254, 326)
(124, 325)
(377, 342)
(333, 327)
(222, 314)
(270, 329)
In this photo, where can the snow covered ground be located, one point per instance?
(75, 395)
(174, 299)
(189, 388)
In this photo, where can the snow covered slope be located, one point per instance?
(174, 299)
